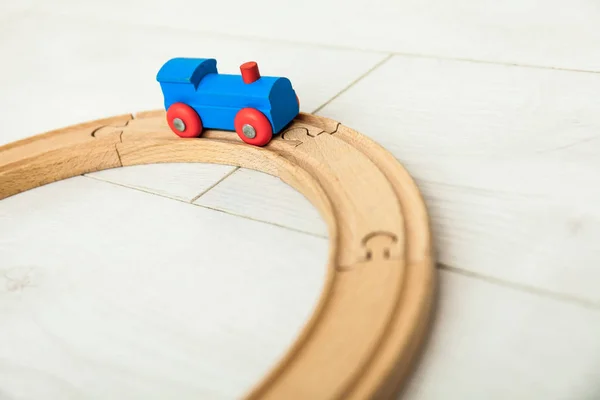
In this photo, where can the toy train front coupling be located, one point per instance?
(196, 97)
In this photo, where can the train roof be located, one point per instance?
(186, 70)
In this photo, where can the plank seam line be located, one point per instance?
(522, 287)
(234, 170)
(354, 82)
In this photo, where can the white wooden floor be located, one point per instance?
(137, 283)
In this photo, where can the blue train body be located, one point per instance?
(218, 98)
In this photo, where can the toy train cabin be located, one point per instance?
(197, 97)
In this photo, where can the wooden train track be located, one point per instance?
(373, 314)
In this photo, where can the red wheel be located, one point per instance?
(184, 121)
(253, 127)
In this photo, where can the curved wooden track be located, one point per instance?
(373, 314)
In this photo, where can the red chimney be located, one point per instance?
(250, 72)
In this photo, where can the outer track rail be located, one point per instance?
(371, 318)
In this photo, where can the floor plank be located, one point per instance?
(506, 158)
(263, 197)
(552, 33)
(496, 343)
(12, 11)
(107, 292)
(181, 181)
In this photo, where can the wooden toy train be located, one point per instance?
(197, 97)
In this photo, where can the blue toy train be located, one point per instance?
(196, 97)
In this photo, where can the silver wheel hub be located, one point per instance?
(249, 131)
(179, 124)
